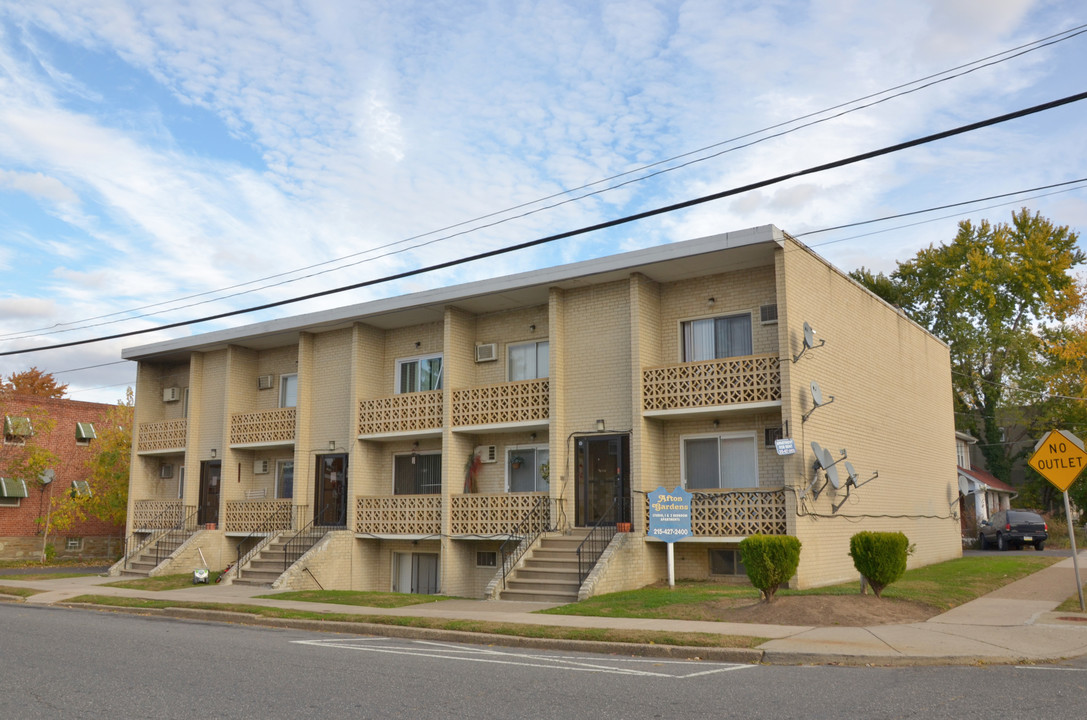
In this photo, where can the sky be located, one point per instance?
(166, 161)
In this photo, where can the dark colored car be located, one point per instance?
(1013, 529)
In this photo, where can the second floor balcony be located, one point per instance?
(413, 413)
(520, 404)
(263, 428)
(712, 386)
(165, 436)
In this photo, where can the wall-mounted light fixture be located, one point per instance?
(532, 436)
(331, 445)
(532, 328)
(716, 424)
(600, 426)
(214, 453)
(712, 300)
(418, 344)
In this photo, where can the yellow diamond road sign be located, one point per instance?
(1059, 457)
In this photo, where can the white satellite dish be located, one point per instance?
(964, 485)
(851, 472)
(818, 400)
(827, 462)
(47, 476)
(809, 341)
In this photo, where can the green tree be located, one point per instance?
(34, 382)
(991, 294)
(108, 466)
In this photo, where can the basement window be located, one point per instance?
(73, 544)
(726, 562)
(487, 559)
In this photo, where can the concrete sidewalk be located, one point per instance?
(1015, 624)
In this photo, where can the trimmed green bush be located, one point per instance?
(770, 561)
(880, 557)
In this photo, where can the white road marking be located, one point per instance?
(490, 655)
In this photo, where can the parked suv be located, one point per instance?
(1013, 528)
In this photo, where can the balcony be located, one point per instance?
(263, 428)
(735, 514)
(265, 516)
(166, 436)
(712, 386)
(417, 413)
(488, 515)
(522, 404)
(399, 515)
(155, 514)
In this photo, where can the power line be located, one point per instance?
(590, 228)
(921, 83)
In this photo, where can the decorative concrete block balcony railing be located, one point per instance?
(258, 515)
(736, 513)
(752, 379)
(522, 401)
(156, 514)
(492, 514)
(403, 413)
(166, 435)
(263, 427)
(399, 515)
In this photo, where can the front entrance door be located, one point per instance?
(211, 473)
(602, 479)
(330, 501)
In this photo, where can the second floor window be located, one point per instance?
(719, 337)
(720, 462)
(419, 374)
(288, 390)
(527, 361)
(284, 478)
(417, 474)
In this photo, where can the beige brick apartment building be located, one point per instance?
(465, 440)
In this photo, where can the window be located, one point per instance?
(963, 453)
(419, 374)
(529, 469)
(284, 478)
(73, 544)
(185, 402)
(720, 461)
(719, 337)
(181, 482)
(417, 474)
(12, 488)
(726, 562)
(80, 488)
(288, 390)
(527, 361)
(17, 430)
(84, 433)
(486, 559)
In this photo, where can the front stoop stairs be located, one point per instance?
(549, 572)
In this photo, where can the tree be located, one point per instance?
(34, 382)
(992, 294)
(108, 466)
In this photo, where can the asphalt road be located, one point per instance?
(60, 663)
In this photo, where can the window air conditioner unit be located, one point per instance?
(264, 382)
(260, 467)
(172, 394)
(487, 453)
(166, 471)
(768, 314)
(487, 352)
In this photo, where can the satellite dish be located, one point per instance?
(809, 341)
(47, 476)
(851, 472)
(818, 400)
(964, 485)
(828, 467)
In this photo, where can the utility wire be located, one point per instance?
(935, 78)
(590, 228)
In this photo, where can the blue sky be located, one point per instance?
(154, 154)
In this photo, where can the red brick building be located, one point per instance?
(24, 500)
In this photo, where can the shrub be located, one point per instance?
(770, 561)
(880, 557)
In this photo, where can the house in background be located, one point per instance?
(24, 500)
(498, 438)
(980, 492)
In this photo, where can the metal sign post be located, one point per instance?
(1059, 458)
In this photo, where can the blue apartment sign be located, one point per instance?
(669, 514)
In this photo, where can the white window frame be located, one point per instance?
(536, 357)
(490, 566)
(401, 362)
(718, 316)
(280, 464)
(284, 379)
(752, 436)
(511, 450)
(73, 544)
(10, 502)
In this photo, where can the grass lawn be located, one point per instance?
(351, 597)
(944, 586)
(18, 591)
(45, 576)
(163, 582)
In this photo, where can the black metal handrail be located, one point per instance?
(303, 540)
(592, 547)
(133, 546)
(172, 539)
(535, 522)
(266, 531)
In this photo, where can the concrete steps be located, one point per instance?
(549, 572)
(266, 567)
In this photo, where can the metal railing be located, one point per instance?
(304, 539)
(172, 539)
(535, 522)
(134, 546)
(592, 547)
(267, 531)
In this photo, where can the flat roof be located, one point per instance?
(738, 250)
